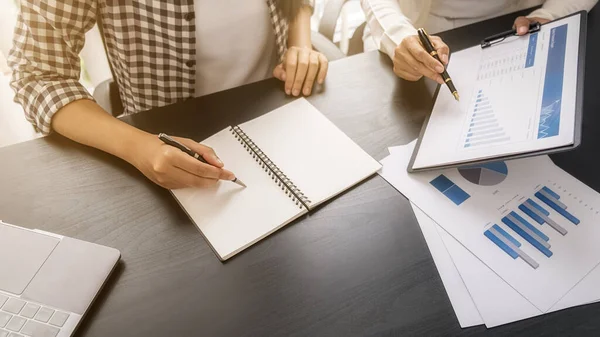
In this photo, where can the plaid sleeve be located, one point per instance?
(45, 56)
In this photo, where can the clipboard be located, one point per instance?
(497, 39)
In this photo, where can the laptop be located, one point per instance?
(48, 281)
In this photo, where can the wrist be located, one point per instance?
(133, 146)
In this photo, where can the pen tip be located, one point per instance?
(456, 96)
(239, 182)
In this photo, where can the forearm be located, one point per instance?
(87, 123)
(299, 29)
(388, 25)
(553, 9)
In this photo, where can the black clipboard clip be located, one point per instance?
(534, 27)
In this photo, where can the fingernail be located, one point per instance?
(320, 81)
(296, 92)
(440, 80)
(439, 69)
(287, 91)
(219, 161)
(445, 58)
(306, 92)
(522, 30)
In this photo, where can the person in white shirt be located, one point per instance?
(391, 26)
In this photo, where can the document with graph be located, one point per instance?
(533, 224)
(519, 97)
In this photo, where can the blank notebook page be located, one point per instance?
(232, 217)
(317, 156)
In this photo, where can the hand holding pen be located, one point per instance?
(203, 162)
(172, 168)
(412, 61)
(429, 47)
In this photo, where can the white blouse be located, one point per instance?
(235, 44)
(390, 21)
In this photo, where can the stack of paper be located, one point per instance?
(511, 240)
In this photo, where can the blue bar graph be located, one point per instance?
(551, 192)
(525, 234)
(483, 124)
(456, 194)
(526, 225)
(554, 205)
(540, 215)
(557, 208)
(523, 207)
(501, 244)
(530, 226)
(508, 244)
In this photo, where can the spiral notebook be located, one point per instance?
(292, 160)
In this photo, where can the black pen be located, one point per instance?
(431, 50)
(170, 141)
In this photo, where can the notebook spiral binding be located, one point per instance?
(274, 172)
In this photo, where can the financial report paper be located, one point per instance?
(527, 220)
(517, 96)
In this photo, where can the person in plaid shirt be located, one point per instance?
(161, 52)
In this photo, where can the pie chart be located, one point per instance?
(487, 174)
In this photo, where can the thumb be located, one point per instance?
(206, 152)
(522, 25)
(279, 72)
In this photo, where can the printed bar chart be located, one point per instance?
(483, 125)
(456, 194)
(525, 226)
(509, 244)
(551, 199)
(528, 232)
(540, 215)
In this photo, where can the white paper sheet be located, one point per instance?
(462, 303)
(494, 299)
(574, 255)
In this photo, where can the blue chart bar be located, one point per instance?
(540, 215)
(551, 192)
(501, 244)
(456, 194)
(524, 207)
(530, 226)
(508, 244)
(524, 230)
(555, 205)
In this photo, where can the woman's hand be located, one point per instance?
(300, 68)
(171, 168)
(522, 24)
(411, 60)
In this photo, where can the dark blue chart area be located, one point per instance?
(448, 188)
(487, 174)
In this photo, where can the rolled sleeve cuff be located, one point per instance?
(542, 14)
(51, 97)
(392, 39)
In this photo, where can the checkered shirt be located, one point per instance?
(150, 45)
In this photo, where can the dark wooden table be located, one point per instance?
(356, 267)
